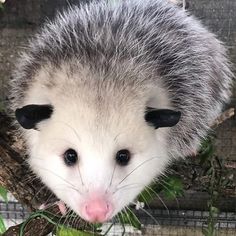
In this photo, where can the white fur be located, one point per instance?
(96, 136)
(100, 66)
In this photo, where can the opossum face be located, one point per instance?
(96, 158)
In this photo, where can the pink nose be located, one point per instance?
(97, 210)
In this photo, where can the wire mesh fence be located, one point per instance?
(154, 222)
(13, 213)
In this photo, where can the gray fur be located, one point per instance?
(154, 38)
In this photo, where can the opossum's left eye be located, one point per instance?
(123, 157)
(70, 157)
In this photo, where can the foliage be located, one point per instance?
(128, 217)
(213, 167)
(62, 231)
(2, 225)
(3, 195)
(174, 188)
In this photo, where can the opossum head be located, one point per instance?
(95, 144)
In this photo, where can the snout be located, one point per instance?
(97, 209)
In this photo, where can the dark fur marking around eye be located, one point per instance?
(162, 117)
(29, 116)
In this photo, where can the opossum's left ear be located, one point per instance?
(162, 117)
(29, 116)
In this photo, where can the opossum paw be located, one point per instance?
(62, 207)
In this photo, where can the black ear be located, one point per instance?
(28, 116)
(162, 117)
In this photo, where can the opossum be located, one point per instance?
(108, 93)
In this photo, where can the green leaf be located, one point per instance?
(173, 187)
(207, 150)
(146, 195)
(206, 154)
(205, 232)
(3, 194)
(214, 210)
(72, 232)
(2, 225)
(150, 192)
(130, 218)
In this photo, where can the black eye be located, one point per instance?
(123, 157)
(70, 157)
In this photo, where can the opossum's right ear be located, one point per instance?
(162, 117)
(29, 116)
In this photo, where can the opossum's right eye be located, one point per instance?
(123, 157)
(70, 157)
